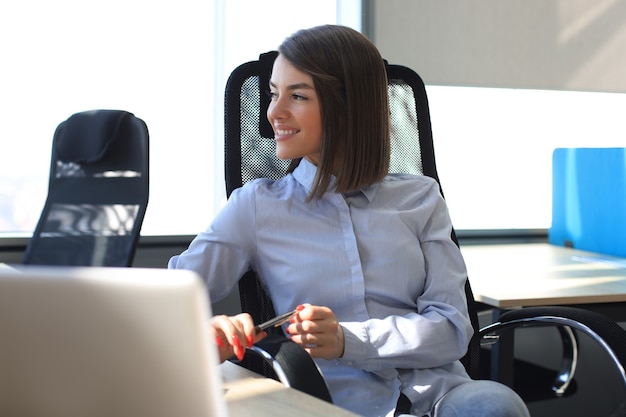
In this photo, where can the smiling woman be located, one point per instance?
(165, 62)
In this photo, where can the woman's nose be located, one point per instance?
(276, 109)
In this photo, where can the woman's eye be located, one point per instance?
(273, 95)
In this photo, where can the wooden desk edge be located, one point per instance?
(247, 392)
(512, 303)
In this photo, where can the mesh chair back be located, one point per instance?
(250, 147)
(97, 192)
(250, 153)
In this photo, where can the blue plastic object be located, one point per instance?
(589, 199)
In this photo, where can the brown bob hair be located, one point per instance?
(350, 79)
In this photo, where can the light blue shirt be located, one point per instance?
(382, 259)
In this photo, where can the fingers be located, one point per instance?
(233, 334)
(317, 330)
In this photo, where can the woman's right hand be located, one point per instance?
(317, 330)
(233, 333)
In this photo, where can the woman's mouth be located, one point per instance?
(285, 132)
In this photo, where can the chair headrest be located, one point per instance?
(86, 136)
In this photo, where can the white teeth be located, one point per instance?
(283, 132)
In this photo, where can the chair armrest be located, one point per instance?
(604, 331)
(279, 358)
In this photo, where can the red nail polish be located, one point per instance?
(250, 341)
(239, 352)
(236, 341)
(219, 341)
(300, 307)
(287, 331)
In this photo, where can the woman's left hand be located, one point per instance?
(317, 330)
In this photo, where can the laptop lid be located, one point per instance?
(106, 342)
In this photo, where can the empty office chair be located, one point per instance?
(250, 154)
(97, 192)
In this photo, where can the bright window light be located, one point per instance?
(494, 148)
(166, 62)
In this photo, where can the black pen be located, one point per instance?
(276, 321)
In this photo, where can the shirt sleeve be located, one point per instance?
(438, 332)
(225, 250)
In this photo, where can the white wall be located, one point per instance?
(536, 44)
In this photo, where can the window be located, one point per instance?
(166, 62)
(494, 148)
(552, 66)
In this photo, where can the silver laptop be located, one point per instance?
(103, 342)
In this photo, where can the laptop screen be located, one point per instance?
(106, 342)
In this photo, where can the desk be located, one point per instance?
(248, 394)
(520, 275)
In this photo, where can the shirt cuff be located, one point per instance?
(355, 343)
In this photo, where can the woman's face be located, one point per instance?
(294, 113)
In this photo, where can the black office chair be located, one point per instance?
(250, 154)
(97, 192)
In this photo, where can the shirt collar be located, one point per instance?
(305, 175)
(369, 192)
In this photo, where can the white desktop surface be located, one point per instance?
(532, 274)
